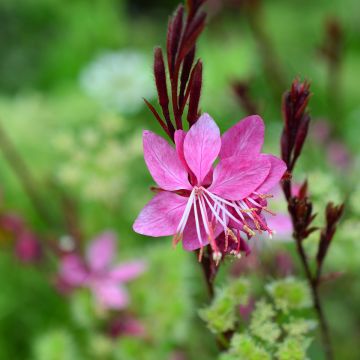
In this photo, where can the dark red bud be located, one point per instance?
(195, 92)
(175, 29)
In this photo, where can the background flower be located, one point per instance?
(116, 79)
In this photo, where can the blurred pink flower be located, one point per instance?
(338, 154)
(196, 202)
(28, 248)
(247, 309)
(320, 131)
(11, 222)
(98, 274)
(282, 226)
(126, 326)
(284, 264)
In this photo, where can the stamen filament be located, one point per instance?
(197, 223)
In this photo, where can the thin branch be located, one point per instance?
(24, 175)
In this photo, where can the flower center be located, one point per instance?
(211, 210)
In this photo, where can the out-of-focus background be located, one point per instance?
(72, 78)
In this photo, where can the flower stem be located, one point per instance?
(325, 333)
(209, 269)
(23, 173)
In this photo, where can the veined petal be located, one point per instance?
(201, 146)
(127, 271)
(179, 138)
(277, 170)
(190, 240)
(237, 177)
(101, 250)
(161, 216)
(244, 138)
(163, 163)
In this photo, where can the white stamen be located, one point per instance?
(197, 222)
(223, 207)
(204, 215)
(214, 212)
(254, 202)
(186, 213)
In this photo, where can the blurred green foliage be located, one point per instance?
(73, 145)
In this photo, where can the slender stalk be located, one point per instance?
(313, 283)
(209, 270)
(24, 175)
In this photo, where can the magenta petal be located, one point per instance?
(190, 239)
(161, 216)
(179, 138)
(282, 226)
(163, 163)
(246, 137)
(101, 250)
(127, 271)
(237, 177)
(73, 271)
(201, 146)
(109, 295)
(277, 170)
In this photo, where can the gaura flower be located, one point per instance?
(27, 245)
(96, 272)
(197, 199)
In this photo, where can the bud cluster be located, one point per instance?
(185, 75)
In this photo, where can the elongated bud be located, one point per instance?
(160, 77)
(333, 214)
(185, 74)
(174, 36)
(195, 92)
(296, 122)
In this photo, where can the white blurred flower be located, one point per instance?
(69, 175)
(111, 156)
(96, 164)
(104, 190)
(119, 80)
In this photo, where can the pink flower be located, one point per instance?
(282, 226)
(126, 326)
(96, 272)
(338, 154)
(197, 200)
(28, 248)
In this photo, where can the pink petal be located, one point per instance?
(126, 325)
(179, 138)
(201, 146)
(190, 239)
(246, 137)
(109, 295)
(161, 216)
(277, 170)
(73, 271)
(28, 248)
(127, 271)
(101, 250)
(282, 226)
(163, 163)
(237, 177)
